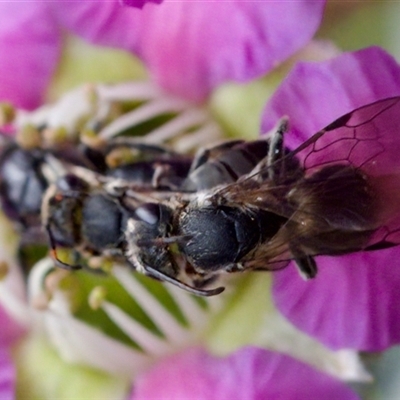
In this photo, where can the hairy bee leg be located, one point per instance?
(277, 150)
(306, 264)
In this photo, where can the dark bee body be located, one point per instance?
(88, 221)
(24, 179)
(83, 218)
(25, 174)
(79, 213)
(22, 184)
(335, 219)
(224, 164)
(147, 165)
(95, 221)
(335, 194)
(160, 173)
(222, 236)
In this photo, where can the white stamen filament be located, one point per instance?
(147, 340)
(141, 114)
(76, 340)
(127, 91)
(79, 342)
(91, 107)
(173, 331)
(188, 119)
(193, 313)
(67, 112)
(208, 133)
(12, 284)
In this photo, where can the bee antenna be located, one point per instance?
(183, 239)
(53, 253)
(164, 240)
(166, 278)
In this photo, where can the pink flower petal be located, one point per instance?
(354, 300)
(250, 373)
(10, 330)
(315, 94)
(110, 23)
(190, 47)
(29, 49)
(7, 376)
(138, 3)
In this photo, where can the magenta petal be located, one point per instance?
(7, 376)
(190, 47)
(29, 49)
(138, 3)
(10, 330)
(105, 23)
(315, 94)
(354, 302)
(250, 373)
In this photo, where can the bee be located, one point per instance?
(90, 216)
(25, 174)
(335, 194)
(89, 212)
(82, 208)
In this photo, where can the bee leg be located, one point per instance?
(237, 267)
(306, 264)
(53, 252)
(140, 146)
(277, 151)
(159, 275)
(163, 177)
(272, 162)
(204, 281)
(307, 267)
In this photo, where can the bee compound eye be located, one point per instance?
(149, 213)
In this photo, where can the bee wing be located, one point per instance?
(369, 139)
(273, 256)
